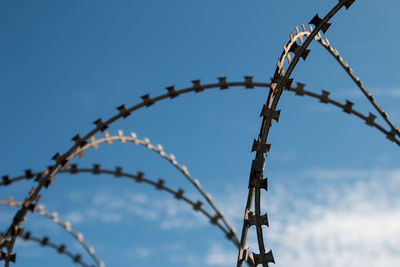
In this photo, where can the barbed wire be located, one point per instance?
(178, 194)
(346, 67)
(94, 143)
(66, 225)
(159, 185)
(280, 81)
(45, 241)
(299, 90)
(394, 130)
(269, 113)
(61, 160)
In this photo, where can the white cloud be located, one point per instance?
(104, 215)
(339, 238)
(75, 217)
(138, 252)
(384, 92)
(178, 215)
(29, 249)
(138, 198)
(142, 212)
(186, 259)
(351, 173)
(353, 224)
(351, 218)
(108, 200)
(173, 246)
(389, 92)
(179, 223)
(109, 207)
(219, 256)
(143, 252)
(75, 196)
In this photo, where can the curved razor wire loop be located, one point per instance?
(326, 44)
(298, 90)
(394, 130)
(76, 258)
(62, 160)
(94, 143)
(280, 80)
(65, 225)
(139, 178)
(159, 185)
(171, 158)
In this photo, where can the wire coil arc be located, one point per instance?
(40, 209)
(45, 241)
(280, 80)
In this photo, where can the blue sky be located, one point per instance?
(334, 182)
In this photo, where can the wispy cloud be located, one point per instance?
(353, 224)
(74, 217)
(387, 92)
(140, 252)
(219, 256)
(351, 173)
(186, 259)
(111, 207)
(356, 235)
(351, 219)
(104, 216)
(29, 249)
(378, 92)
